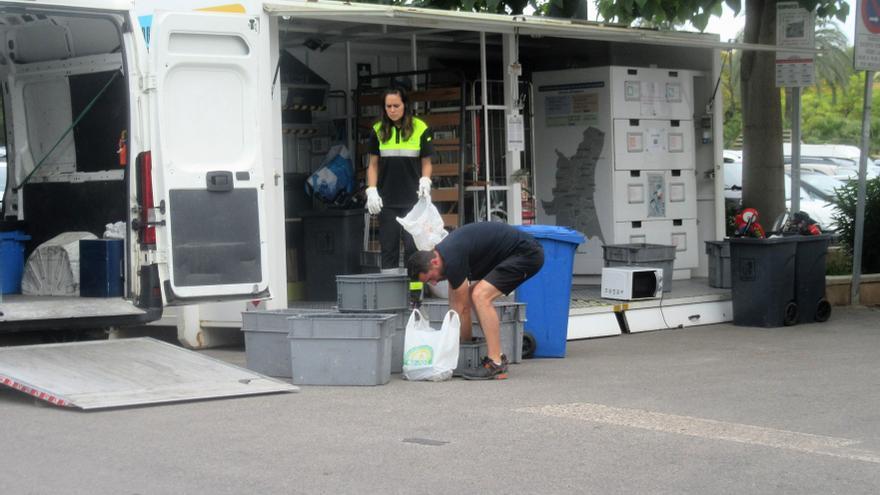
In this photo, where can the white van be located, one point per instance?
(168, 141)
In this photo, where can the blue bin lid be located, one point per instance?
(553, 232)
(14, 235)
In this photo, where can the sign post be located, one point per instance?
(866, 58)
(795, 28)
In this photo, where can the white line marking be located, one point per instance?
(709, 429)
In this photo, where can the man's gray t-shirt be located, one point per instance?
(471, 251)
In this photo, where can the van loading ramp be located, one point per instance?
(23, 312)
(129, 372)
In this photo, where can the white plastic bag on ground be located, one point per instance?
(425, 224)
(430, 354)
(53, 268)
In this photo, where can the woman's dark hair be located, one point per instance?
(406, 122)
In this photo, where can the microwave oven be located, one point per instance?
(632, 282)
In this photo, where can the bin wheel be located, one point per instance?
(529, 345)
(791, 314)
(823, 311)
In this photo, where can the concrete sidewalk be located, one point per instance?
(714, 409)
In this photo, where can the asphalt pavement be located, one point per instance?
(715, 409)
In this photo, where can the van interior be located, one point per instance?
(66, 111)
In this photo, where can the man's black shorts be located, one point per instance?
(516, 269)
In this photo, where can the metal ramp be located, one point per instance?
(129, 372)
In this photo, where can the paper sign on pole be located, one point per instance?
(867, 52)
(515, 133)
(795, 28)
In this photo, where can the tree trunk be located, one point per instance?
(762, 181)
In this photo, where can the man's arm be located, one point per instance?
(460, 302)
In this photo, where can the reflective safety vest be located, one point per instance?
(395, 146)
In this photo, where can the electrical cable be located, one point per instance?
(662, 315)
(718, 82)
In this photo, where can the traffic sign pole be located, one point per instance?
(860, 201)
(867, 58)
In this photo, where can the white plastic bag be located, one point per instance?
(114, 230)
(430, 354)
(425, 224)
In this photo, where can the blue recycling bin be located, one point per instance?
(11, 260)
(548, 294)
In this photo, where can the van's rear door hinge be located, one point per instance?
(148, 82)
(160, 256)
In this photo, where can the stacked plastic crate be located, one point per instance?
(511, 315)
(358, 343)
(378, 293)
(361, 342)
(389, 294)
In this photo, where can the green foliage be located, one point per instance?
(732, 129)
(831, 110)
(731, 209)
(838, 262)
(833, 61)
(845, 216)
(698, 12)
(824, 120)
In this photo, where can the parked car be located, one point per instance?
(825, 168)
(816, 199)
(845, 157)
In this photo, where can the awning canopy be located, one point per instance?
(434, 19)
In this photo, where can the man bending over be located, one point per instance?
(481, 261)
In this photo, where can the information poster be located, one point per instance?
(571, 105)
(795, 28)
(515, 133)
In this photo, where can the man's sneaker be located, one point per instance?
(488, 370)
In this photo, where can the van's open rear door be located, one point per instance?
(207, 157)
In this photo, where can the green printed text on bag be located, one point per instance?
(422, 355)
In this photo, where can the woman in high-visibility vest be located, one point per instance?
(399, 172)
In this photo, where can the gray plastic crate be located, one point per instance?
(379, 292)
(397, 341)
(719, 264)
(642, 254)
(511, 314)
(507, 310)
(265, 339)
(469, 355)
(341, 348)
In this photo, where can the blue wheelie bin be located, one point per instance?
(11, 261)
(547, 295)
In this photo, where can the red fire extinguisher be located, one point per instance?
(122, 149)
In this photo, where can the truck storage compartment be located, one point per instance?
(68, 130)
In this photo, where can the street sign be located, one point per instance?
(795, 28)
(867, 52)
